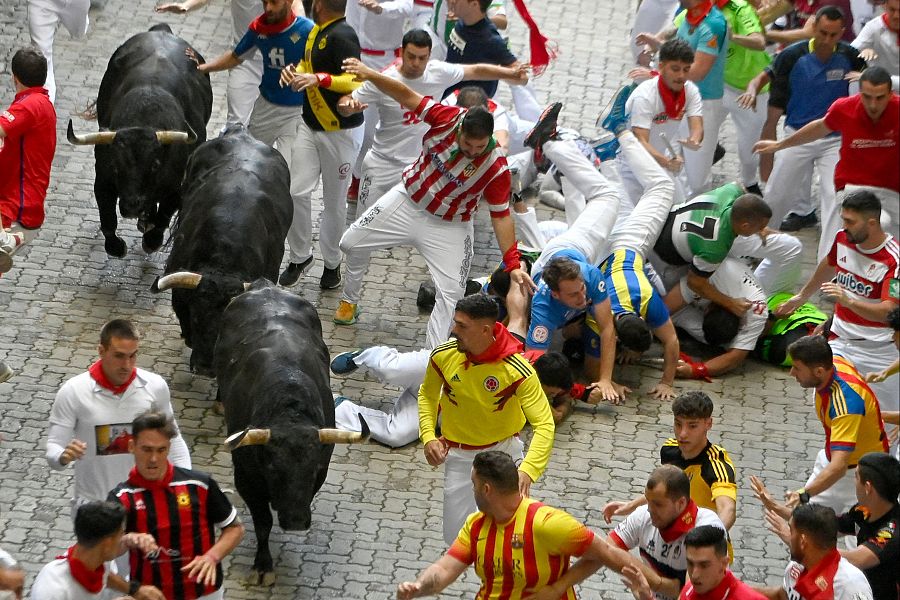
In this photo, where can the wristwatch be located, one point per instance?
(133, 587)
(804, 495)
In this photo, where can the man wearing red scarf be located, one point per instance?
(708, 573)
(659, 529)
(90, 422)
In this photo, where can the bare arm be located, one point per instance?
(397, 90)
(671, 349)
(871, 311)
(823, 273)
(753, 41)
(705, 289)
(747, 100)
(600, 553)
(701, 67)
(516, 73)
(202, 568)
(224, 62)
(726, 509)
(727, 361)
(792, 35)
(861, 557)
(812, 131)
(433, 579)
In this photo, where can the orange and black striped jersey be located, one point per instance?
(711, 472)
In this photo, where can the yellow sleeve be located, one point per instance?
(559, 533)
(461, 549)
(845, 432)
(724, 489)
(343, 83)
(537, 412)
(429, 395)
(725, 483)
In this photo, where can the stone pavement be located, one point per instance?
(377, 519)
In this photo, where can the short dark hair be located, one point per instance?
(479, 306)
(750, 208)
(336, 6)
(498, 469)
(863, 202)
(29, 66)
(832, 13)
(705, 536)
(416, 37)
(818, 522)
(883, 472)
(118, 328)
(153, 419)
(893, 319)
(812, 351)
(471, 96)
(674, 479)
(484, 5)
(720, 325)
(693, 405)
(553, 369)
(876, 76)
(477, 123)
(499, 282)
(96, 521)
(633, 332)
(676, 49)
(561, 268)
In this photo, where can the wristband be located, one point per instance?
(324, 80)
(511, 258)
(133, 587)
(211, 554)
(804, 495)
(699, 370)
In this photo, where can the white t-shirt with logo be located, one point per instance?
(648, 112)
(55, 582)
(849, 582)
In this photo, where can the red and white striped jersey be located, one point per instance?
(447, 183)
(869, 276)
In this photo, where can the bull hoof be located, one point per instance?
(263, 578)
(153, 240)
(115, 246)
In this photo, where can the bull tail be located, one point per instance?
(89, 112)
(161, 27)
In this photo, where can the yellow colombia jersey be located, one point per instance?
(481, 404)
(711, 472)
(516, 558)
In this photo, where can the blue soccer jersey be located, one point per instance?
(278, 50)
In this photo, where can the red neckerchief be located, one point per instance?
(99, 376)
(720, 4)
(696, 15)
(717, 593)
(818, 583)
(504, 345)
(673, 103)
(92, 581)
(259, 24)
(542, 51)
(682, 523)
(136, 479)
(887, 25)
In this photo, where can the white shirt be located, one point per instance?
(884, 42)
(735, 280)
(398, 136)
(55, 582)
(379, 31)
(648, 112)
(849, 582)
(666, 558)
(84, 410)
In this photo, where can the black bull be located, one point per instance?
(235, 216)
(152, 107)
(272, 369)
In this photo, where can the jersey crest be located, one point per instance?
(491, 383)
(323, 42)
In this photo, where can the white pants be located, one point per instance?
(698, 163)
(376, 178)
(590, 231)
(841, 496)
(534, 233)
(43, 18)
(447, 248)
(651, 16)
(524, 99)
(749, 125)
(633, 188)
(459, 498)
(328, 154)
(873, 357)
(793, 167)
(781, 256)
(243, 90)
(403, 369)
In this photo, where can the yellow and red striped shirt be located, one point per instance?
(517, 558)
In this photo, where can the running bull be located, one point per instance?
(231, 228)
(272, 369)
(152, 108)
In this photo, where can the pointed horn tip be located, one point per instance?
(180, 279)
(234, 440)
(364, 430)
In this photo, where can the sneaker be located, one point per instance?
(607, 150)
(331, 278)
(294, 271)
(754, 189)
(353, 191)
(545, 127)
(343, 364)
(718, 153)
(5, 371)
(8, 249)
(614, 118)
(794, 222)
(338, 400)
(346, 313)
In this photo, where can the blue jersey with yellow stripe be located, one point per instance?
(630, 290)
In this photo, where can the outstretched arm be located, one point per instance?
(433, 579)
(406, 97)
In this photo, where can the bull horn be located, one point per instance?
(89, 139)
(248, 437)
(248, 285)
(177, 137)
(182, 280)
(341, 436)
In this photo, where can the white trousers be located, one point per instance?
(325, 154)
(749, 125)
(447, 248)
(698, 163)
(243, 90)
(43, 18)
(781, 256)
(376, 178)
(841, 496)
(651, 16)
(633, 188)
(534, 233)
(459, 498)
(793, 167)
